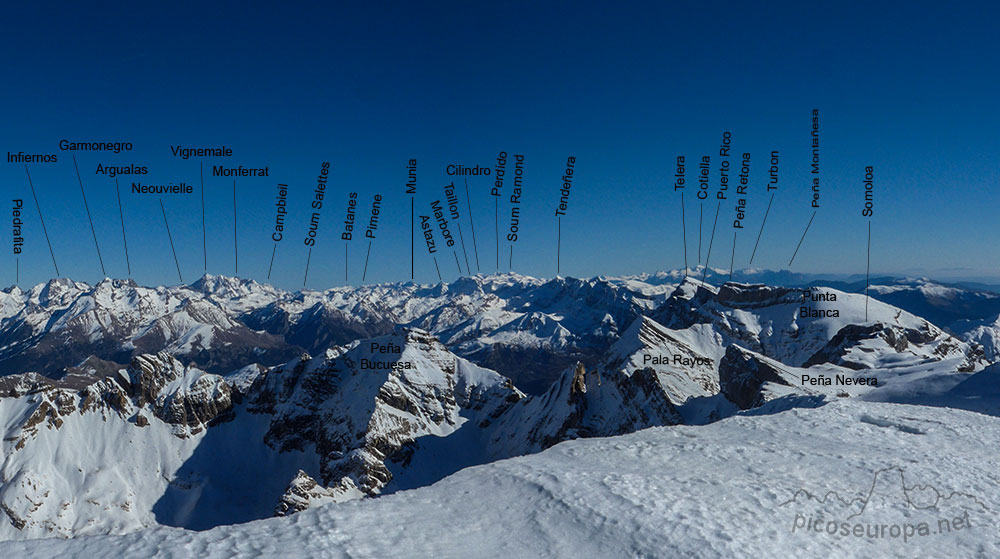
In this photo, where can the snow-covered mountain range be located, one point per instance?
(524, 327)
(227, 401)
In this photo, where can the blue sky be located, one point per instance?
(910, 89)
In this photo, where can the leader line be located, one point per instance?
(868, 268)
(803, 238)
(364, 274)
(711, 241)
(732, 258)
(204, 241)
(42, 219)
(684, 236)
(412, 229)
(89, 218)
(754, 253)
(472, 223)
(437, 268)
(171, 239)
(236, 245)
(308, 260)
(496, 212)
(466, 254)
(121, 214)
(558, 244)
(271, 266)
(701, 217)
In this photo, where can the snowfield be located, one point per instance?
(499, 416)
(752, 485)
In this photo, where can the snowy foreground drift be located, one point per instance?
(746, 486)
(354, 413)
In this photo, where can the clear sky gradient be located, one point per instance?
(909, 88)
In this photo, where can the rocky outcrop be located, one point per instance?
(186, 398)
(743, 374)
(751, 296)
(585, 403)
(365, 407)
(303, 492)
(178, 395)
(525, 328)
(839, 349)
(378, 415)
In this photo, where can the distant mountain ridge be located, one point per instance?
(526, 328)
(390, 395)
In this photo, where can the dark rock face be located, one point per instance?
(579, 380)
(690, 304)
(532, 369)
(849, 336)
(303, 492)
(194, 405)
(681, 309)
(749, 296)
(359, 420)
(577, 404)
(642, 391)
(361, 427)
(741, 376)
(898, 338)
(185, 398)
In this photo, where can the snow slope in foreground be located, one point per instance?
(747, 486)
